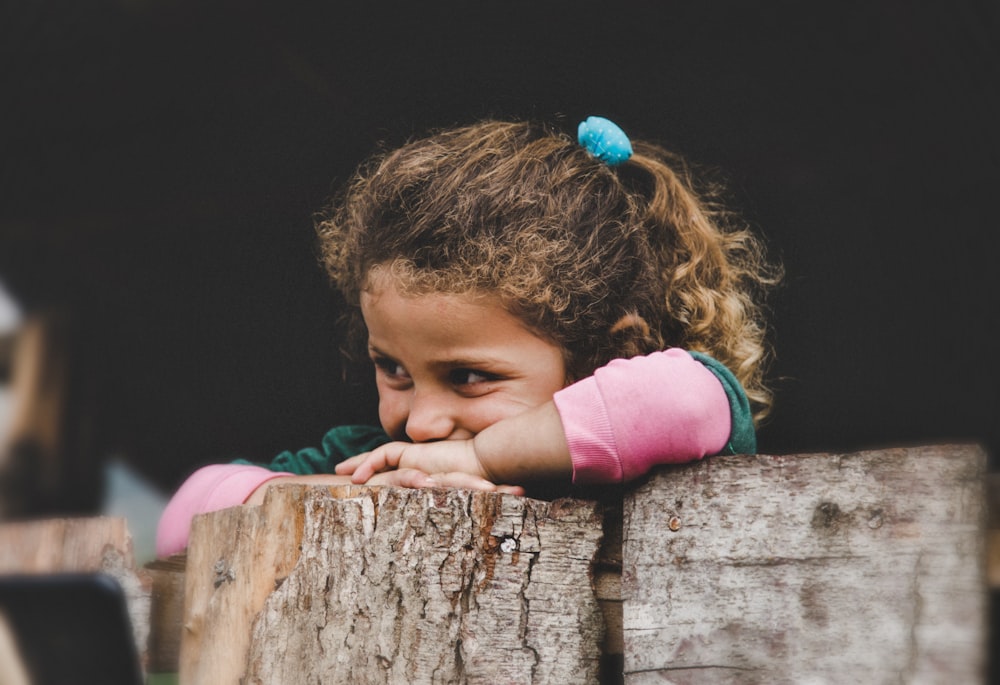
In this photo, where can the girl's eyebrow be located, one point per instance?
(450, 363)
(374, 352)
(459, 362)
(372, 349)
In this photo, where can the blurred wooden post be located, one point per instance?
(865, 567)
(50, 461)
(80, 545)
(819, 568)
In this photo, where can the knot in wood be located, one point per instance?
(826, 516)
(223, 573)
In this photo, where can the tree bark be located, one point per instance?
(388, 585)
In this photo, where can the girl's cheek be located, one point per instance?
(392, 413)
(486, 414)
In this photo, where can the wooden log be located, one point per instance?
(81, 545)
(826, 568)
(67, 545)
(166, 612)
(993, 530)
(388, 585)
(168, 583)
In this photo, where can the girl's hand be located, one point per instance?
(445, 456)
(414, 478)
(448, 463)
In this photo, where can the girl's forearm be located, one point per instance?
(525, 447)
(632, 414)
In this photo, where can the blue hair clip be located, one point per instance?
(603, 139)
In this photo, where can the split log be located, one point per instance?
(865, 567)
(388, 585)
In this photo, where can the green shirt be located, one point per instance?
(338, 444)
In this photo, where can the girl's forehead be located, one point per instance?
(386, 291)
(440, 320)
(400, 281)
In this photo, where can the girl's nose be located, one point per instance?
(430, 418)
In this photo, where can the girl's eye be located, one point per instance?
(391, 368)
(470, 377)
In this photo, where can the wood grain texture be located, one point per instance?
(166, 612)
(98, 544)
(822, 568)
(388, 585)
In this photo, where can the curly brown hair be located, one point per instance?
(605, 262)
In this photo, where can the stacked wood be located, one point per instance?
(819, 568)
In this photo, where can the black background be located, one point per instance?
(161, 161)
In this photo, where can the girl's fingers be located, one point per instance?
(363, 466)
(381, 467)
(459, 479)
(368, 468)
(348, 466)
(404, 478)
(414, 478)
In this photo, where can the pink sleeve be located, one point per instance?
(210, 488)
(633, 414)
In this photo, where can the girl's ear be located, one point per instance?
(631, 336)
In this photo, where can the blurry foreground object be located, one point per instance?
(69, 628)
(48, 458)
(70, 594)
(12, 668)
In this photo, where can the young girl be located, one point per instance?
(536, 308)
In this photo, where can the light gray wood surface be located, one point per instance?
(821, 568)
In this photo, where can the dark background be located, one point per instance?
(160, 162)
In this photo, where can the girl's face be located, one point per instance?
(447, 366)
